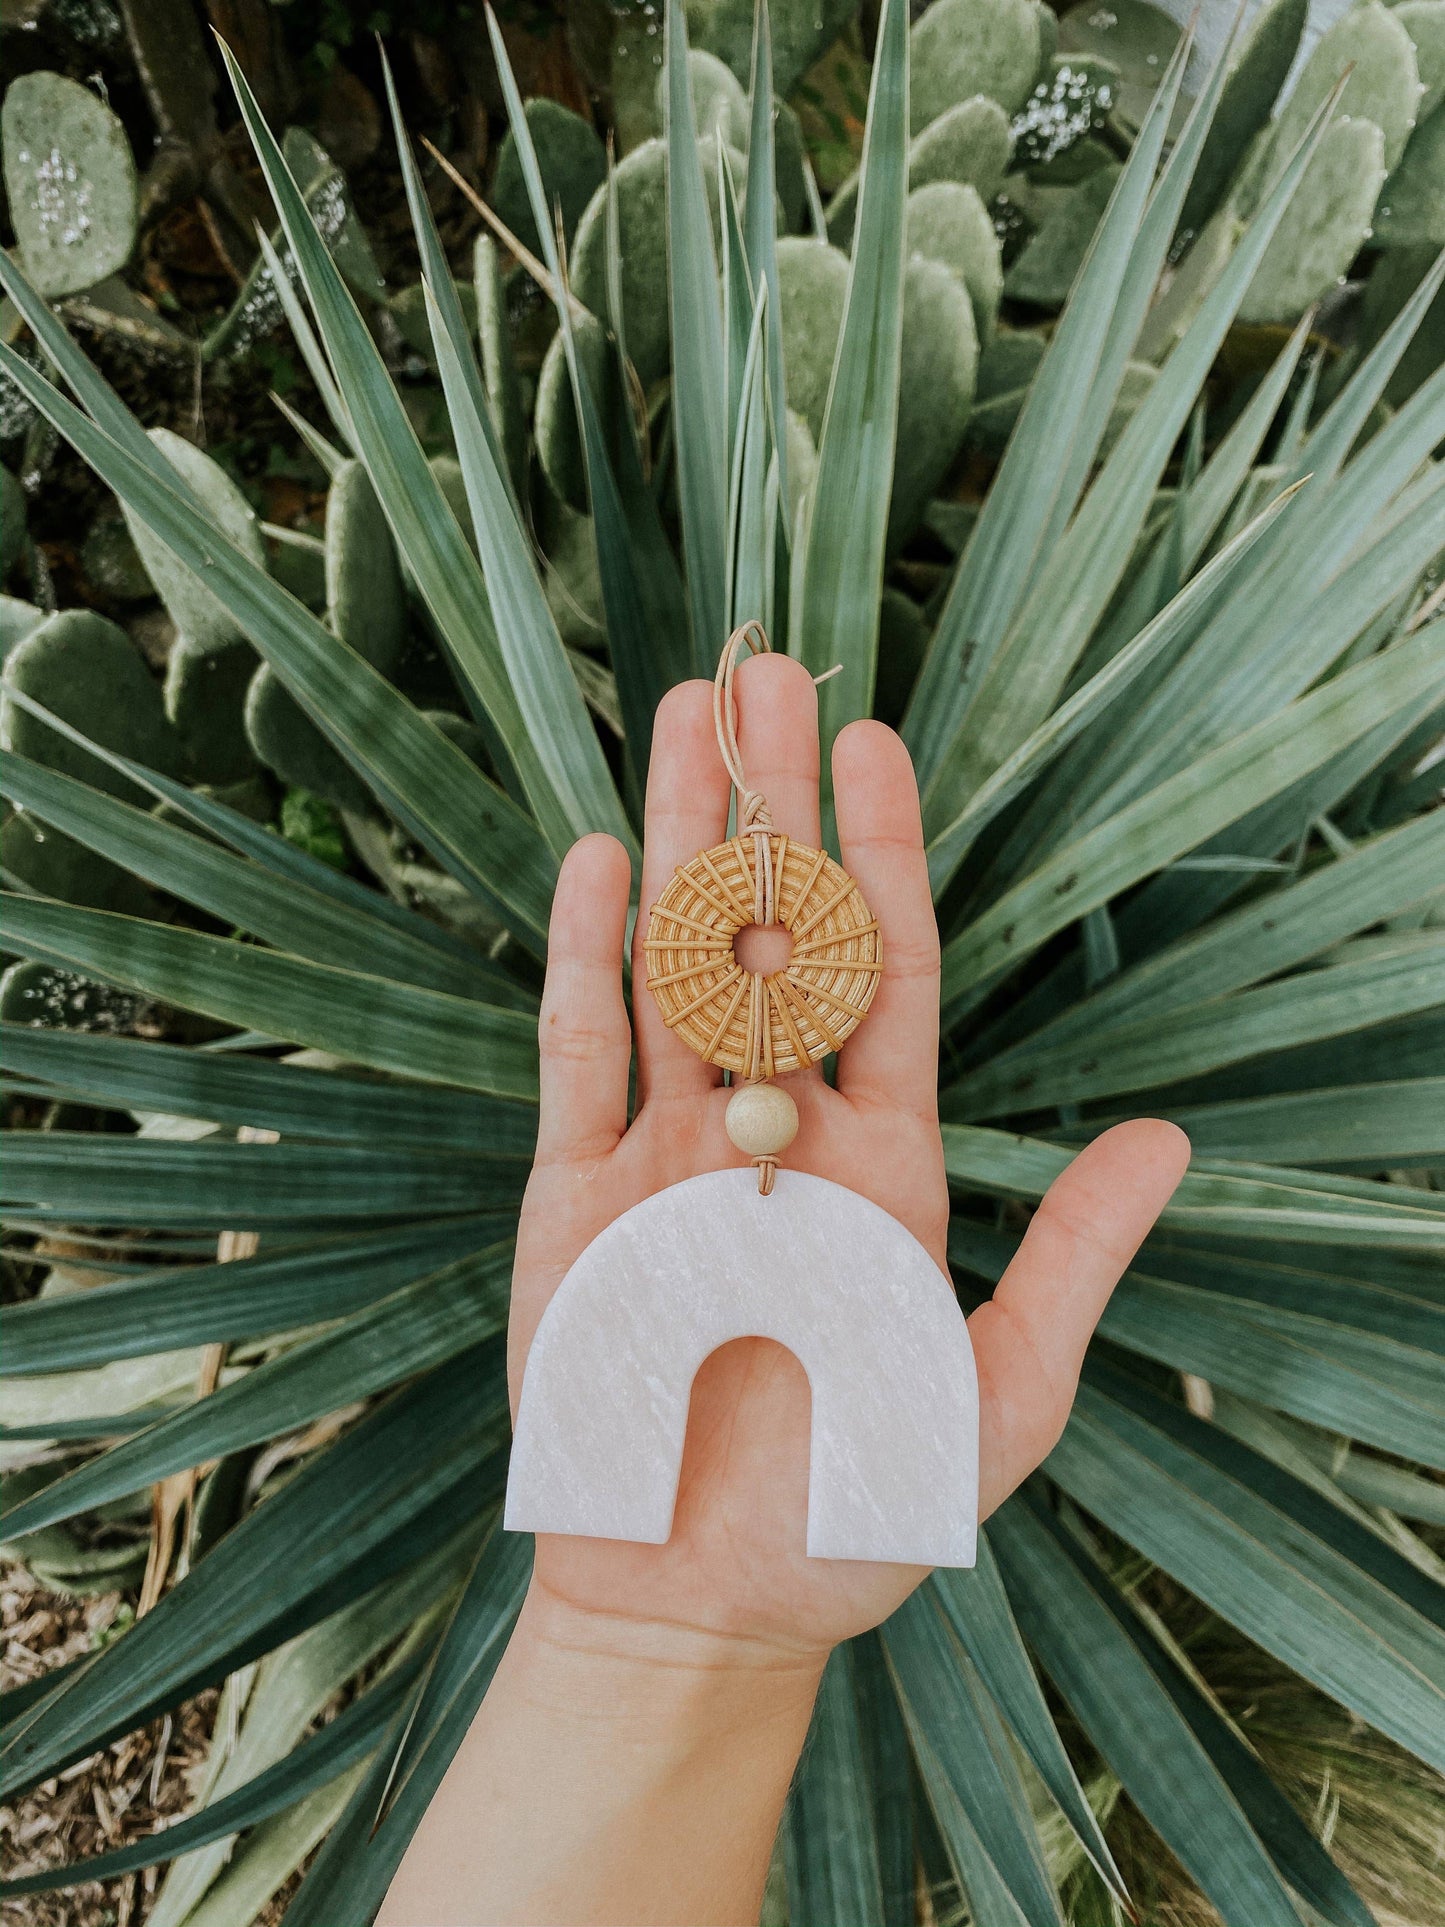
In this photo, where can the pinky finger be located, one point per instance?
(1030, 1338)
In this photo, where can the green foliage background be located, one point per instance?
(1033, 426)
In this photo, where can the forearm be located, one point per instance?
(616, 1773)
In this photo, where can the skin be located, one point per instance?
(631, 1759)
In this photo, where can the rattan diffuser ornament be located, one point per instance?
(759, 1027)
(831, 1276)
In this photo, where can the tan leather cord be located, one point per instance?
(755, 819)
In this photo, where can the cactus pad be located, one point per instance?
(205, 695)
(256, 312)
(1073, 100)
(1135, 38)
(802, 29)
(1044, 272)
(1245, 105)
(289, 744)
(719, 102)
(573, 162)
(88, 672)
(71, 183)
(559, 446)
(641, 184)
(940, 366)
(365, 596)
(573, 583)
(970, 144)
(17, 621)
(1411, 208)
(189, 603)
(1006, 367)
(58, 866)
(1424, 21)
(964, 47)
(1370, 46)
(950, 224)
(1323, 226)
(45, 997)
(812, 286)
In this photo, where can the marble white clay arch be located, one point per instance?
(893, 1469)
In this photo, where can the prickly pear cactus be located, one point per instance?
(70, 180)
(45, 997)
(1373, 53)
(1072, 100)
(1396, 276)
(573, 163)
(1043, 274)
(966, 47)
(407, 308)
(719, 100)
(17, 621)
(88, 672)
(559, 446)
(902, 640)
(467, 737)
(205, 696)
(256, 312)
(1411, 207)
(366, 607)
(801, 31)
(1006, 367)
(499, 361)
(329, 198)
(970, 143)
(573, 583)
(812, 286)
(287, 741)
(189, 603)
(58, 866)
(1169, 318)
(1137, 40)
(365, 595)
(641, 186)
(1424, 21)
(112, 563)
(1257, 73)
(949, 223)
(940, 367)
(297, 560)
(802, 462)
(448, 472)
(1323, 226)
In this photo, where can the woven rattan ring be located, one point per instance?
(760, 1027)
(737, 1019)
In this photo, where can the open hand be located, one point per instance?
(735, 1566)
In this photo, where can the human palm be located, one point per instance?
(735, 1563)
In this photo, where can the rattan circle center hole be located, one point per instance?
(763, 949)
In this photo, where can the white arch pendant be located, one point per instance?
(893, 1467)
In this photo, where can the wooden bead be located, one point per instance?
(761, 1120)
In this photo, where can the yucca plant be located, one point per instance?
(1172, 726)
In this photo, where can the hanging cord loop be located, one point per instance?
(755, 819)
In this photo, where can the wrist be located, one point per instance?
(668, 1678)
